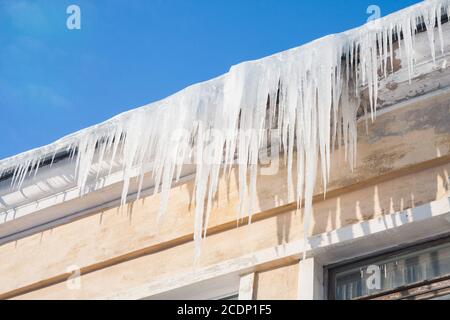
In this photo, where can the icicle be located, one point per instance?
(309, 94)
(391, 47)
(439, 25)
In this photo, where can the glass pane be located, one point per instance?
(392, 273)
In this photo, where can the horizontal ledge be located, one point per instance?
(152, 249)
(318, 246)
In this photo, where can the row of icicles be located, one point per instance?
(311, 95)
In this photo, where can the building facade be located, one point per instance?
(380, 231)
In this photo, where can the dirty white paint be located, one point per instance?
(246, 286)
(310, 280)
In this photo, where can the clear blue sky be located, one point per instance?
(54, 81)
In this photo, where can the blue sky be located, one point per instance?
(55, 81)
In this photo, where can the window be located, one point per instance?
(419, 272)
(234, 296)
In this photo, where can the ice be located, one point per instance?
(310, 94)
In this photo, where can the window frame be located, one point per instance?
(421, 286)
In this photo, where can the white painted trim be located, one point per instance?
(64, 206)
(364, 238)
(217, 288)
(310, 280)
(246, 286)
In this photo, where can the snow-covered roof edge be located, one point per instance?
(318, 100)
(71, 139)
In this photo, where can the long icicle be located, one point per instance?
(309, 93)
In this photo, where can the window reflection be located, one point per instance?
(391, 273)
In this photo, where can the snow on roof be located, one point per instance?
(309, 93)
